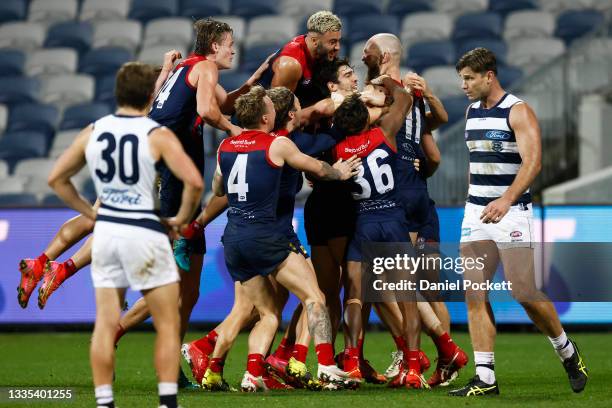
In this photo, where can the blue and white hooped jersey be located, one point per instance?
(494, 154)
(123, 170)
(408, 141)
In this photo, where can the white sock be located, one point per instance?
(104, 394)
(167, 388)
(563, 347)
(485, 366)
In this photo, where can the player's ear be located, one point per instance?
(215, 47)
(332, 86)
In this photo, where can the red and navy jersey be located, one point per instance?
(374, 188)
(409, 147)
(305, 91)
(251, 181)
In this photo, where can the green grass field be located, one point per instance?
(528, 372)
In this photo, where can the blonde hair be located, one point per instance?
(250, 107)
(323, 21)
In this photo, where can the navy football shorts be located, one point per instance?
(250, 257)
(381, 231)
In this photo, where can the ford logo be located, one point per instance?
(497, 135)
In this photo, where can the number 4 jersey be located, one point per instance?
(251, 183)
(124, 171)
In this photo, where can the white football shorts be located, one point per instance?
(515, 230)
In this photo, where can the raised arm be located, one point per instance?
(69, 164)
(392, 122)
(287, 73)
(170, 58)
(165, 145)
(227, 99)
(437, 115)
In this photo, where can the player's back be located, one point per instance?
(251, 181)
(374, 188)
(123, 171)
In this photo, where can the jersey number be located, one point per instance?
(236, 182)
(164, 93)
(381, 175)
(124, 159)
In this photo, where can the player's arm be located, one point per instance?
(283, 150)
(432, 153)
(166, 69)
(528, 139)
(287, 73)
(215, 207)
(69, 164)
(165, 145)
(392, 122)
(437, 116)
(217, 181)
(206, 97)
(227, 99)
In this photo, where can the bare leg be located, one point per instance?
(328, 273)
(391, 316)
(71, 232)
(353, 305)
(261, 294)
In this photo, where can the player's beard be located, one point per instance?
(373, 71)
(321, 53)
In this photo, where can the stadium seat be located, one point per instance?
(68, 89)
(4, 169)
(443, 80)
(79, 116)
(61, 141)
(508, 75)
(254, 56)
(504, 7)
(197, 9)
(478, 25)
(52, 11)
(13, 62)
(21, 35)
(154, 54)
(77, 35)
(559, 6)
(3, 118)
(348, 8)
(455, 107)
(529, 24)
(15, 146)
(458, 7)
(105, 88)
(35, 117)
(37, 185)
(266, 29)
(98, 10)
(304, 8)
(18, 90)
(52, 61)
(531, 53)
(238, 25)
(105, 60)
(172, 30)
(34, 168)
(146, 10)
(18, 200)
(13, 185)
(126, 34)
(430, 53)
(365, 26)
(426, 26)
(402, 7)
(356, 53)
(499, 47)
(11, 10)
(233, 80)
(576, 23)
(252, 8)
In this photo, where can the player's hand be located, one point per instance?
(417, 164)
(495, 211)
(170, 58)
(348, 168)
(173, 226)
(416, 83)
(372, 96)
(380, 80)
(193, 230)
(257, 74)
(234, 130)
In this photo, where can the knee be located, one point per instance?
(270, 318)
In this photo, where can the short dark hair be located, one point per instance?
(134, 84)
(352, 115)
(479, 60)
(327, 71)
(250, 107)
(284, 102)
(209, 31)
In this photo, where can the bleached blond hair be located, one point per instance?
(323, 21)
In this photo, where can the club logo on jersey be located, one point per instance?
(497, 146)
(516, 236)
(497, 135)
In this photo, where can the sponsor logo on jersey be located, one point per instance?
(120, 196)
(497, 135)
(466, 232)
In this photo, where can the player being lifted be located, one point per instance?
(249, 170)
(130, 244)
(503, 137)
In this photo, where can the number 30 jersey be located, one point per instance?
(251, 181)
(123, 170)
(375, 187)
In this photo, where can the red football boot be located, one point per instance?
(370, 375)
(447, 368)
(55, 275)
(424, 361)
(415, 380)
(276, 364)
(32, 271)
(272, 382)
(197, 360)
(400, 379)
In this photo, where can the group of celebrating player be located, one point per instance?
(368, 155)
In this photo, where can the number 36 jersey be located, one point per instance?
(375, 187)
(251, 181)
(123, 170)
